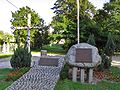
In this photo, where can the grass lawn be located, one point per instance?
(103, 85)
(2, 55)
(53, 49)
(8, 76)
(3, 76)
(112, 82)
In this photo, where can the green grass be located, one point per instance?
(3, 76)
(2, 55)
(102, 85)
(4, 85)
(115, 70)
(54, 49)
(8, 76)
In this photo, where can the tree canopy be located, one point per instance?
(5, 37)
(64, 23)
(98, 22)
(19, 19)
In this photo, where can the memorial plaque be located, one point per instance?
(48, 61)
(83, 55)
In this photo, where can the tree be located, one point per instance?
(19, 19)
(108, 20)
(109, 51)
(110, 46)
(5, 37)
(65, 21)
(1, 37)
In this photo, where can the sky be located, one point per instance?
(42, 7)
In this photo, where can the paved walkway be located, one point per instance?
(39, 78)
(43, 77)
(5, 62)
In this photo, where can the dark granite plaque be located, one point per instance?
(48, 61)
(83, 55)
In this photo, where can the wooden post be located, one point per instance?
(28, 32)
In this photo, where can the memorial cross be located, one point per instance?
(28, 27)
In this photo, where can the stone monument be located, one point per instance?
(43, 52)
(83, 56)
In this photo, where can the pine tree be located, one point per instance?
(91, 40)
(110, 45)
(109, 50)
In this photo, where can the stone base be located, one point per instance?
(88, 75)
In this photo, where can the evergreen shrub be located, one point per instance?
(21, 58)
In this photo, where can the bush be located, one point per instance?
(105, 64)
(64, 72)
(21, 58)
(107, 53)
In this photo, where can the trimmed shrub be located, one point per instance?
(21, 58)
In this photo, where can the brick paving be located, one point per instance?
(39, 78)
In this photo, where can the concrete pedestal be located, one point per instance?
(82, 72)
(43, 52)
(90, 79)
(74, 74)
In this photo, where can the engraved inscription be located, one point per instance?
(83, 55)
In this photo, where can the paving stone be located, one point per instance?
(39, 78)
